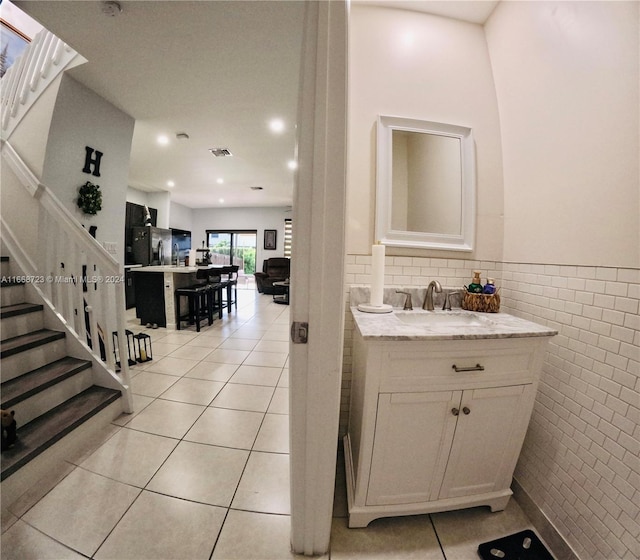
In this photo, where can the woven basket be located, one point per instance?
(482, 303)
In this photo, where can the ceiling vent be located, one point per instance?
(220, 152)
(256, 188)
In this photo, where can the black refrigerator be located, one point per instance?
(151, 246)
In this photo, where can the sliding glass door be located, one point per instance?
(234, 247)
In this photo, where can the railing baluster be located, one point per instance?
(34, 76)
(32, 68)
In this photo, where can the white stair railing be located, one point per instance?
(25, 80)
(74, 274)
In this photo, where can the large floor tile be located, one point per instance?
(264, 486)
(274, 434)
(267, 359)
(227, 428)
(208, 339)
(234, 343)
(149, 384)
(280, 401)
(166, 418)
(176, 337)
(130, 456)
(461, 531)
(82, 510)
(161, 349)
(140, 402)
(249, 332)
(256, 375)
(191, 352)
(244, 397)
(212, 371)
(172, 366)
(272, 346)
(194, 391)
(160, 527)
(256, 536)
(278, 335)
(202, 473)
(23, 542)
(227, 356)
(284, 378)
(396, 538)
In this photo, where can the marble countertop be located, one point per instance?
(387, 326)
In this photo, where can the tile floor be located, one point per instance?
(201, 469)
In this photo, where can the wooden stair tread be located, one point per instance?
(19, 309)
(42, 432)
(27, 341)
(28, 384)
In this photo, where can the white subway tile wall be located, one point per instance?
(580, 462)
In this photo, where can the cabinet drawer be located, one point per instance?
(424, 369)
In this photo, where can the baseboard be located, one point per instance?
(543, 526)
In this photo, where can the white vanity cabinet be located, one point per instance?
(425, 436)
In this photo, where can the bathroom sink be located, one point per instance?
(442, 319)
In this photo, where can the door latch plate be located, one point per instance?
(299, 332)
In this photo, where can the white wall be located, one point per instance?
(180, 217)
(408, 64)
(82, 118)
(242, 218)
(136, 196)
(567, 79)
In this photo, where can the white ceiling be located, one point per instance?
(216, 70)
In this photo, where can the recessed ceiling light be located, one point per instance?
(163, 139)
(276, 125)
(221, 200)
(219, 180)
(292, 164)
(111, 8)
(170, 184)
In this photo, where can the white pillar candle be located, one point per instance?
(377, 275)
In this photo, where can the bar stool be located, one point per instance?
(215, 286)
(200, 302)
(231, 284)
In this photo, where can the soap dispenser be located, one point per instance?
(476, 284)
(490, 286)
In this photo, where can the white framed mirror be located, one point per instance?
(425, 184)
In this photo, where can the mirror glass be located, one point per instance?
(425, 184)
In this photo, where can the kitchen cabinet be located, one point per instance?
(437, 425)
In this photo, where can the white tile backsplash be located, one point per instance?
(580, 462)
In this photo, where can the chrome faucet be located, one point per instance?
(428, 299)
(408, 304)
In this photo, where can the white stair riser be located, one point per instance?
(11, 295)
(20, 363)
(22, 324)
(73, 448)
(45, 400)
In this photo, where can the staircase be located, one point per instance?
(52, 393)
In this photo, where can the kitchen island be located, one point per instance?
(155, 287)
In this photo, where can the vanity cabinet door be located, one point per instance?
(413, 436)
(491, 427)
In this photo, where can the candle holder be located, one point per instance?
(130, 347)
(376, 293)
(144, 352)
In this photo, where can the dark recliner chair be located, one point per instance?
(276, 269)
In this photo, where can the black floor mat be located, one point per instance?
(524, 545)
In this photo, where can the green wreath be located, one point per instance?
(90, 198)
